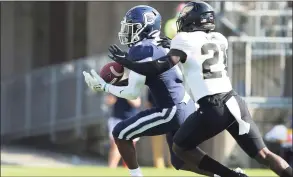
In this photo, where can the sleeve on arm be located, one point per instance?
(141, 53)
(140, 60)
(132, 90)
(122, 83)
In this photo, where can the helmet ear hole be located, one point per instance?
(139, 26)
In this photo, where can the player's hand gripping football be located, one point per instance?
(117, 54)
(165, 42)
(94, 81)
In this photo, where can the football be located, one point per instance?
(112, 72)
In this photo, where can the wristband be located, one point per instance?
(105, 87)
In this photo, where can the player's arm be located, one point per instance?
(132, 90)
(156, 67)
(180, 49)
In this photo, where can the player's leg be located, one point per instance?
(179, 164)
(151, 122)
(184, 110)
(253, 144)
(114, 155)
(134, 144)
(208, 121)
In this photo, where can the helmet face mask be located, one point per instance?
(179, 24)
(208, 19)
(129, 32)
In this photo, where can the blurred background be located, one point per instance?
(50, 117)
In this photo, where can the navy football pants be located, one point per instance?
(156, 121)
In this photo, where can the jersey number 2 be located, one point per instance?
(213, 60)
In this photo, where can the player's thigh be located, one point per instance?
(150, 122)
(176, 161)
(160, 124)
(252, 142)
(202, 125)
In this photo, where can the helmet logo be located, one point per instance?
(149, 18)
(185, 10)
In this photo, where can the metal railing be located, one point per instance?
(259, 66)
(261, 71)
(51, 99)
(260, 18)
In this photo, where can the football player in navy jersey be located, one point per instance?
(140, 30)
(203, 54)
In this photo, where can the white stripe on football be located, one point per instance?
(115, 72)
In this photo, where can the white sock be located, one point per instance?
(135, 172)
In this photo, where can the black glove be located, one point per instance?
(117, 54)
(165, 42)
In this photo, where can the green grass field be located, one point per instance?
(103, 171)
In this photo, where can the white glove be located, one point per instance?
(94, 81)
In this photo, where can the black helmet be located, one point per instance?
(196, 16)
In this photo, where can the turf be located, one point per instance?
(103, 171)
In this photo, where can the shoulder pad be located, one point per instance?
(221, 38)
(184, 42)
(180, 36)
(187, 39)
(140, 52)
(178, 39)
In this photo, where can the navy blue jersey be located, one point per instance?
(123, 110)
(167, 88)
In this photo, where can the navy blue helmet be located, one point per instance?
(140, 22)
